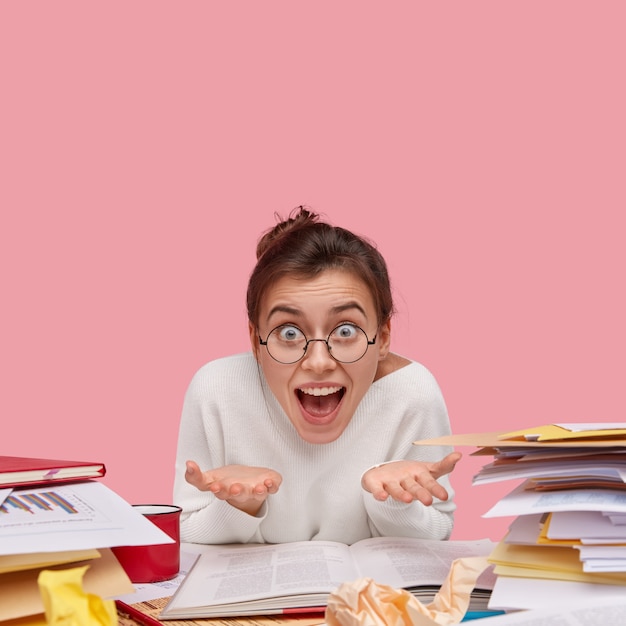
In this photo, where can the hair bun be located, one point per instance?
(298, 218)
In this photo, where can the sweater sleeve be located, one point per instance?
(425, 416)
(398, 519)
(205, 518)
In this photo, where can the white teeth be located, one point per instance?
(320, 391)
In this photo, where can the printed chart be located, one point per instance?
(59, 509)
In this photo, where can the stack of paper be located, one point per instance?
(568, 541)
(63, 525)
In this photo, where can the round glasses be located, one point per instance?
(346, 343)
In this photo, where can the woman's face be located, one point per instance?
(319, 394)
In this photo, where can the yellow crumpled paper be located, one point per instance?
(67, 604)
(364, 602)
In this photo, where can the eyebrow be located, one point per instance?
(282, 308)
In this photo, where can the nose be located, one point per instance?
(317, 356)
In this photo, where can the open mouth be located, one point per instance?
(320, 402)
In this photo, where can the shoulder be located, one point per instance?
(409, 377)
(392, 363)
(396, 366)
(223, 372)
(232, 361)
(413, 393)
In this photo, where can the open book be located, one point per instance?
(253, 579)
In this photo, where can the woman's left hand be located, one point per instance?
(407, 481)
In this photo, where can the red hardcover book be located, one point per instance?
(17, 471)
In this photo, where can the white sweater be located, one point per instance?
(230, 416)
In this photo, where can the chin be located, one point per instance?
(321, 436)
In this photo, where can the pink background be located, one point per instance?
(144, 146)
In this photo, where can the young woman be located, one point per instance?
(310, 435)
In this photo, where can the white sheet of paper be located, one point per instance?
(522, 502)
(572, 470)
(524, 530)
(164, 589)
(601, 552)
(605, 565)
(612, 612)
(584, 525)
(4, 493)
(576, 428)
(510, 593)
(73, 516)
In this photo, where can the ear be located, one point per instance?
(384, 340)
(254, 339)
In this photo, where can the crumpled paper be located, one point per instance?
(364, 602)
(67, 604)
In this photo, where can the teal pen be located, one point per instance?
(470, 615)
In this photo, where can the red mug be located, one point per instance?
(154, 563)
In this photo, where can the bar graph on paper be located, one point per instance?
(59, 509)
(30, 503)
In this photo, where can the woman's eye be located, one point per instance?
(290, 333)
(345, 331)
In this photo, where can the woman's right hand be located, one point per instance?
(245, 488)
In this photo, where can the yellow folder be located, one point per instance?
(553, 432)
(549, 562)
(18, 562)
(578, 577)
(547, 434)
(20, 596)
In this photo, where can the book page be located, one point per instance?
(152, 609)
(408, 562)
(225, 574)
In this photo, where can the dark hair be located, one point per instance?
(302, 246)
